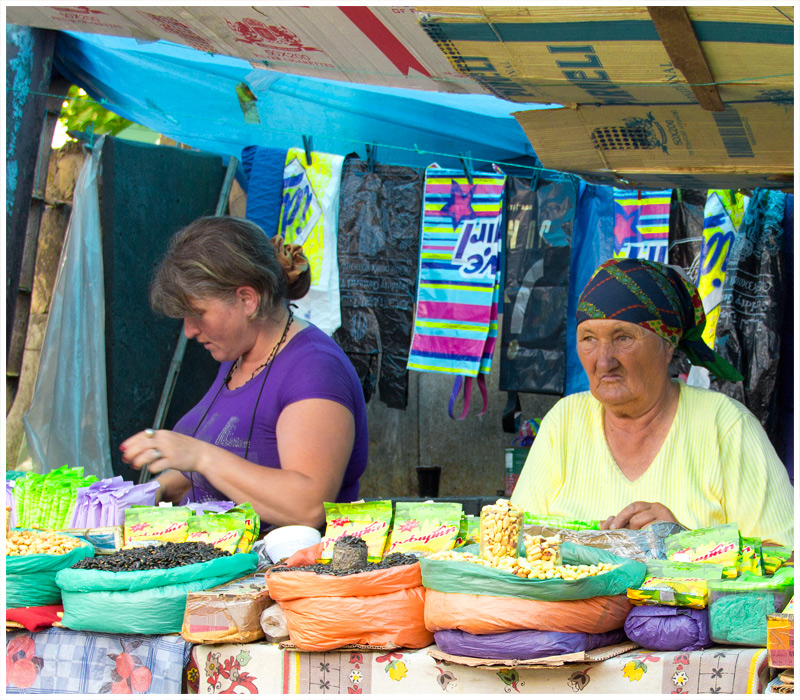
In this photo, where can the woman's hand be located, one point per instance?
(638, 515)
(163, 449)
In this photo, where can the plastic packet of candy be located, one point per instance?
(559, 521)
(222, 530)
(720, 544)
(680, 592)
(752, 560)
(252, 526)
(147, 525)
(424, 528)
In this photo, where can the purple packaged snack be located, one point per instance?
(667, 628)
(522, 644)
(139, 495)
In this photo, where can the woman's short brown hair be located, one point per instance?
(211, 258)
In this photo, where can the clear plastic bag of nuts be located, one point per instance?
(501, 527)
(543, 549)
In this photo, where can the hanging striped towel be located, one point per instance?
(458, 284)
(641, 224)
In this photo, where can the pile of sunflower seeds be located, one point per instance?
(390, 560)
(165, 556)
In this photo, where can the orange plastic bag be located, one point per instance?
(485, 614)
(379, 608)
(288, 585)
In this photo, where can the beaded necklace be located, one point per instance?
(234, 366)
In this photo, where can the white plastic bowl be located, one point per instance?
(282, 542)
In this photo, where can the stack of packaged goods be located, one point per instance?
(76, 505)
(523, 596)
(714, 587)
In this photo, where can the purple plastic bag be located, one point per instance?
(666, 628)
(522, 644)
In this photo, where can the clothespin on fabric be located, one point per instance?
(86, 136)
(308, 145)
(679, 195)
(535, 179)
(466, 163)
(371, 157)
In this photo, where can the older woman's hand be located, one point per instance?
(162, 449)
(638, 515)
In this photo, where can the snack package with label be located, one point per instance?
(559, 521)
(424, 528)
(720, 544)
(680, 592)
(470, 530)
(370, 521)
(752, 560)
(147, 525)
(252, 525)
(666, 568)
(774, 557)
(222, 530)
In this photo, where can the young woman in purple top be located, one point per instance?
(284, 424)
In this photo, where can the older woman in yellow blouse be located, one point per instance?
(645, 447)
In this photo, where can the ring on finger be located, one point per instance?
(157, 454)
(149, 432)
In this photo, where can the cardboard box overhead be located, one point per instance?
(746, 146)
(614, 55)
(382, 45)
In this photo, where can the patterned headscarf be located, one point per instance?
(656, 297)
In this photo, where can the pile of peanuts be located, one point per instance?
(501, 525)
(21, 542)
(521, 567)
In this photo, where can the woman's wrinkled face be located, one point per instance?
(219, 326)
(625, 363)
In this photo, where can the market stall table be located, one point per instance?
(268, 669)
(59, 660)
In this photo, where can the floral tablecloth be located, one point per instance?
(265, 668)
(58, 660)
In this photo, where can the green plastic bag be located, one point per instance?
(31, 578)
(466, 577)
(142, 602)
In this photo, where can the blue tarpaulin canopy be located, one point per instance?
(221, 104)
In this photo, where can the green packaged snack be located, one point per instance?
(752, 560)
(666, 568)
(370, 521)
(252, 525)
(720, 544)
(424, 528)
(774, 557)
(146, 525)
(678, 592)
(560, 521)
(222, 530)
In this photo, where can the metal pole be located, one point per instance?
(180, 347)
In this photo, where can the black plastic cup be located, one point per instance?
(428, 481)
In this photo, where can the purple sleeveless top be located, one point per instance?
(310, 366)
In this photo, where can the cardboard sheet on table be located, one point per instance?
(599, 654)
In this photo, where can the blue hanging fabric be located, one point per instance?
(458, 285)
(592, 244)
(264, 169)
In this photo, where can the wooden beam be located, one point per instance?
(683, 48)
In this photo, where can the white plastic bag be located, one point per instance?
(68, 419)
